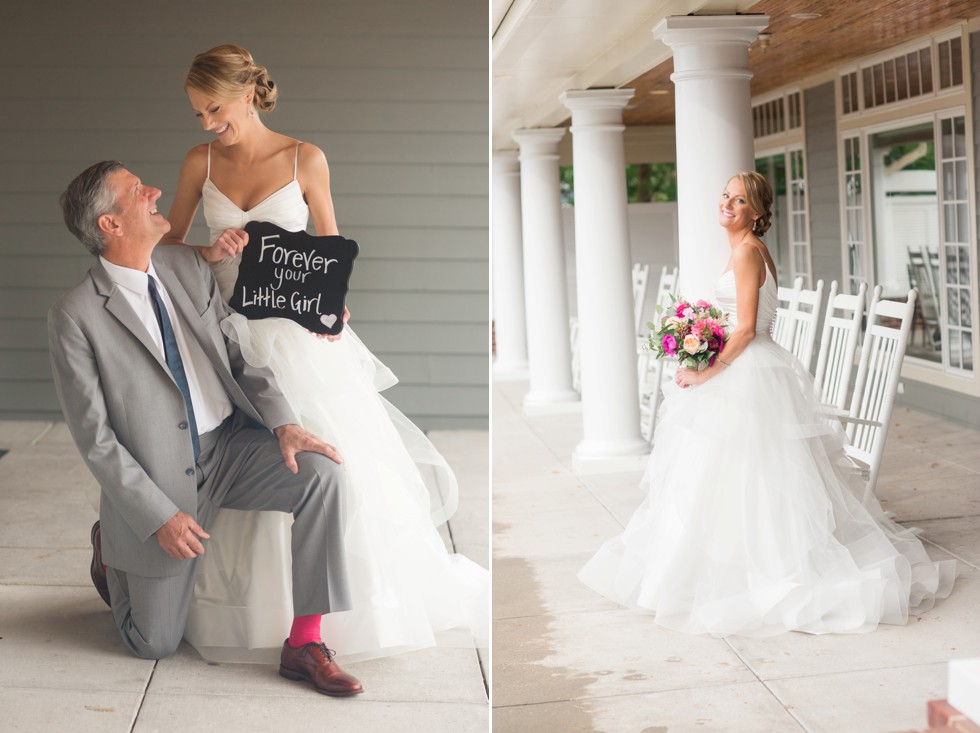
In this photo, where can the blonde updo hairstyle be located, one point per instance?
(759, 197)
(227, 72)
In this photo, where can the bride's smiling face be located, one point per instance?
(225, 119)
(734, 212)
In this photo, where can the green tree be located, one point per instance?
(644, 182)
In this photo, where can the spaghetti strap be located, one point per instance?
(765, 265)
(296, 160)
(209, 162)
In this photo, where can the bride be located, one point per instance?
(750, 526)
(408, 592)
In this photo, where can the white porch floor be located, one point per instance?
(565, 659)
(64, 668)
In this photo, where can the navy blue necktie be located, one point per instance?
(172, 355)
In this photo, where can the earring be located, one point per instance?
(251, 111)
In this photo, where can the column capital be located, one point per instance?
(597, 110)
(539, 136)
(594, 99)
(539, 142)
(682, 30)
(710, 46)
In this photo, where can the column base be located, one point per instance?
(551, 403)
(510, 371)
(610, 456)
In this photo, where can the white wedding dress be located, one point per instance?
(408, 591)
(752, 525)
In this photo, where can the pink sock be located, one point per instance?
(304, 630)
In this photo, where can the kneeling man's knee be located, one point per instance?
(319, 469)
(324, 477)
(152, 646)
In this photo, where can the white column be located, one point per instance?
(508, 269)
(545, 297)
(610, 406)
(713, 123)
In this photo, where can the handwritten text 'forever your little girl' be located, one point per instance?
(291, 266)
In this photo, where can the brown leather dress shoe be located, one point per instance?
(315, 663)
(98, 570)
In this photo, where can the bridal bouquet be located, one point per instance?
(693, 333)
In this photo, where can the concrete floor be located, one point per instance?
(565, 659)
(64, 668)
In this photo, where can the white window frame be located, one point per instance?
(799, 249)
(863, 134)
(890, 116)
(932, 43)
(795, 268)
(944, 243)
(863, 232)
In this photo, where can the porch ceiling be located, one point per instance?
(543, 47)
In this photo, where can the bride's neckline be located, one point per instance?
(253, 208)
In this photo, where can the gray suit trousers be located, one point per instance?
(241, 467)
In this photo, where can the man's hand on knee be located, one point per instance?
(179, 537)
(293, 439)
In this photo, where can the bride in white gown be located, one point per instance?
(408, 592)
(750, 526)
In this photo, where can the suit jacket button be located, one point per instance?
(189, 471)
(182, 426)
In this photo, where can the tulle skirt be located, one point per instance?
(408, 591)
(753, 523)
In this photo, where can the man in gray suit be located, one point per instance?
(174, 424)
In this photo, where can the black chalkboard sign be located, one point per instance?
(294, 275)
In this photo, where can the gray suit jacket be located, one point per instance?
(125, 411)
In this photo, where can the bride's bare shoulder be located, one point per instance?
(747, 254)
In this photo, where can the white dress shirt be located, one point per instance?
(208, 395)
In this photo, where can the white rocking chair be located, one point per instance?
(876, 384)
(788, 300)
(803, 323)
(838, 344)
(652, 371)
(641, 274)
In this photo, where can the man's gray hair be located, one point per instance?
(86, 199)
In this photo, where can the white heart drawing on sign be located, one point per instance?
(329, 320)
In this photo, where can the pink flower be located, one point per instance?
(698, 330)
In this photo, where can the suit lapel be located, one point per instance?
(116, 304)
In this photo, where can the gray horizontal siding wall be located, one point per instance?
(395, 93)
(823, 183)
